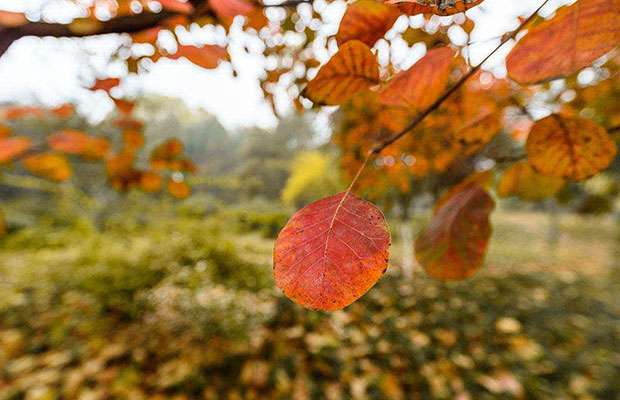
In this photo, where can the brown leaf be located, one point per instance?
(366, 21)
(419, 86)
(13, 147)
(353, 69)
(438, 7)
(569, 147)
(522, 181)
(51, 166)
(573, 39)
(331, 252)
(453, 246)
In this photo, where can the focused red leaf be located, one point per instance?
(437, 7)
(331, 252)
(50, 166)
(569, 147)
(13, 147)
(454, 244)
(208, 56)
(353, 69)
(573, 39)
(366, 21)
(421, 85)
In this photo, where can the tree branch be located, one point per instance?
(122, 24)
(420, 117)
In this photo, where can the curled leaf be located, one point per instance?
(573, 39)
(353, 69)
(569, 147)
(331, 252)
(454, 244)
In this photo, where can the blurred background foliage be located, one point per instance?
(106, 294)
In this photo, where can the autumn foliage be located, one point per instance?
(395, 126)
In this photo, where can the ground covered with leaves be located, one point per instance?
(186, 308)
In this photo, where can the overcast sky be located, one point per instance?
(50, 71)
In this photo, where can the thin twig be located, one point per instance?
(420, 117)
(379, 148)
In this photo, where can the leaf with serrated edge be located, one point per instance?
(331, 252)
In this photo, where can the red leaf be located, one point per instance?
(331, 252)
(453, 246)
(226, 10)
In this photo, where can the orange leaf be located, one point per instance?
(573, 39)
(48, 165)
(125, 107)
(522, 181)
(453, 246)
(353, 69)
(133, 140)
(150, 182)
(438, 7)
(13, 147)
(5, 131)
(226, 10)
(9, 19)
(569, 147)
(64, 111)
(178, 6)
(208, 56)
(366, 21)
(146, 36)
(168, 150)
(421, 85)
(17, 112)
(331, 252)
(180, 190)
(75, 142)
(105, 84)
